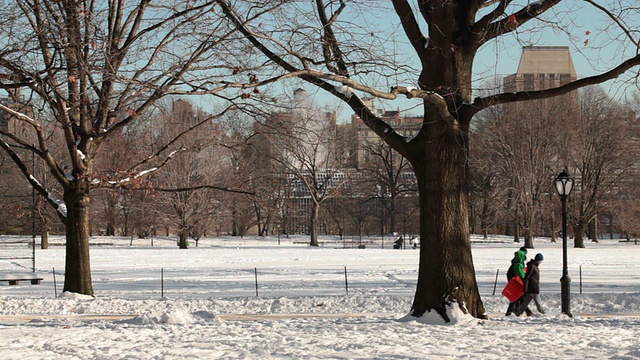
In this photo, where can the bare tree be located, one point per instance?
(109, 204)
(344, 46)
(299, 143)
(484, 183)
(387, 168)
(94, 68)
(520, 144)
(599, 151)
(193, 207)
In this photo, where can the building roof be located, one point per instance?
(546, 60)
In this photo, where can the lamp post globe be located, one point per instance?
(564, 185)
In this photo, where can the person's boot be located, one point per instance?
(528, 312)
(510, 309)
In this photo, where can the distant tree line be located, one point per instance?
(517, 147)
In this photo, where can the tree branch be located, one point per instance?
(212, 187)
(48, 196)
(515, 20)
(411, 28)
(483, 103)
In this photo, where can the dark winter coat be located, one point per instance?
(532, 278)
(517, 265)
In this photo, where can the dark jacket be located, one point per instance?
(517, 265)
(532, 278)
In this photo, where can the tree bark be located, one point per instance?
(77, 265)
(446, 274)
(528, 238)
(593, 230)
(578, 235)
(44, 239)
(313, 223)
(483, 220)
(182, 243)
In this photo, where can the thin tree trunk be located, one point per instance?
(593, 230)
(44, 239)
(483, 219)
(578, 236)
(77, 265)
(313, 223)
(392, 215)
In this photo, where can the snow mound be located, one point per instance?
(75, 296)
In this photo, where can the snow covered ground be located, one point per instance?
(312, 303)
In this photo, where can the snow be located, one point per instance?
(206, 306)
(344, 90)
(61, 206)
(145, 172)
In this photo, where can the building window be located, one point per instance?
(528, 82)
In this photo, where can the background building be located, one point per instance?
(541, 67)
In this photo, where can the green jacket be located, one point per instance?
(518, 263)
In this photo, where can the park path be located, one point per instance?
(24, 318)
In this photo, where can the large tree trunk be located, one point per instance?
(446, 275)
(77, 265)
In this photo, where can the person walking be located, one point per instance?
(532, 286)
(517, 269)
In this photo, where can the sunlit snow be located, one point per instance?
(161, 302)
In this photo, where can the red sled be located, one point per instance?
(514, 289)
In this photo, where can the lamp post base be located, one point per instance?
(565, 295)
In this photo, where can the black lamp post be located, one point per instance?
(564, 184)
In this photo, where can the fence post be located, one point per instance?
(256, 275)
(346, 282)
(580, 279)
(495, 283)
(162, 283)
(55, 286)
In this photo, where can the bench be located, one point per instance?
(15, 278)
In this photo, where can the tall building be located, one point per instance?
(360, 138)
(541, 67)
(300, 135)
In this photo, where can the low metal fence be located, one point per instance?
(17, 252)
(327, 281)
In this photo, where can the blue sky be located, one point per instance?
(593, 48)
